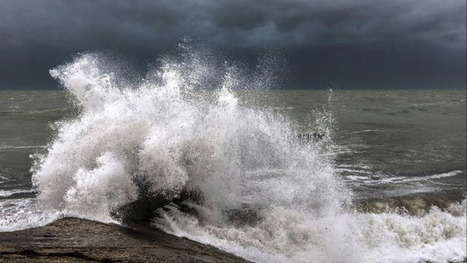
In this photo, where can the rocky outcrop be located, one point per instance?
(79, 240)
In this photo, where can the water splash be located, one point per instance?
(266, 195)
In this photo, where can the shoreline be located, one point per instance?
(77, 240)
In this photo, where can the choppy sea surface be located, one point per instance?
(284, 175)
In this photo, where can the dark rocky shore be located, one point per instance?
(79, 240)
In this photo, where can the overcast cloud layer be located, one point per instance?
(351, 43)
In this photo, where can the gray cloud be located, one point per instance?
(37, 35)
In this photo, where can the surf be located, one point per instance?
(258, 190)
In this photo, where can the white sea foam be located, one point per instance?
(372, 179)
(20, 147)
(20, 214)
(290, 235)
(168, 131)
(7, 193)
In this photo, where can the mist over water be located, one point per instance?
(266, 195)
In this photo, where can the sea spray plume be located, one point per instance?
(161, 131)
(244, 161)
(267, 196)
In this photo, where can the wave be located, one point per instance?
(7, 147)
(264, 194)
(15, 193)
(372, 179)
(288, 235)
(18, 214)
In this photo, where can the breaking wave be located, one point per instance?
(264, 194)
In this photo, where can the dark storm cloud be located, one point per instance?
(356, 43)
(343, 22)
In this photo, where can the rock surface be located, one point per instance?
(79, 240)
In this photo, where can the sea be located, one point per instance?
(279, 175)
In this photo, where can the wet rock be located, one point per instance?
(79, 240)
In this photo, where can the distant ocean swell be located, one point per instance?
(182, 128)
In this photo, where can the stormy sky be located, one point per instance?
(346, 44)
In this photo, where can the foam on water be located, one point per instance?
(371, 179)
(290, 235)
(20, 214)
(8, 193)
(267, 196)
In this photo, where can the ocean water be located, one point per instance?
(283, 175)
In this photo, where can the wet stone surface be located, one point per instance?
(79, 240)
